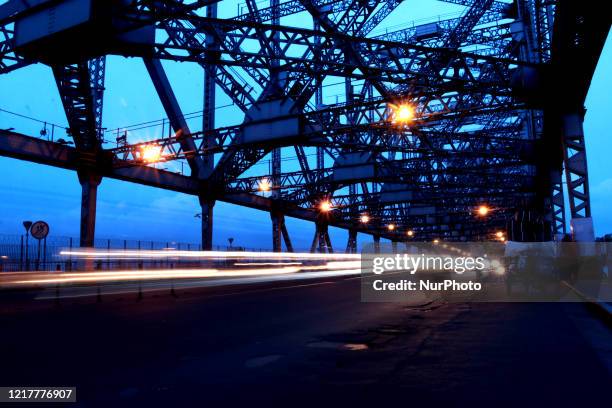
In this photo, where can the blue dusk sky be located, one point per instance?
(130, 211)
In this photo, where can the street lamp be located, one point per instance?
(391, 227)
(151, 153)
(483, 210)
(264, 185)
(402, 113)
(325, 206)
(410, 233)
(364, 218)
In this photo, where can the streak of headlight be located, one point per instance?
(333, 266)
(343, 265)
(266, 263)
(164, 254)
(216, 282)
(154, 274)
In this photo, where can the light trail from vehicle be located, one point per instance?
(156, 274)
(203, 255)
(49, 278)
(209, 266)
(267, 263)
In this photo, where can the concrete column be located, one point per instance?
(89, 192)
(207, 223)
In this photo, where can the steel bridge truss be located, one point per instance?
(473, 84)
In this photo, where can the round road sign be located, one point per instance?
(39, 230)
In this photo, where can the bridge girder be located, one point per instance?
(473, 139)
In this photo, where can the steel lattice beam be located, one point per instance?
(476, 136)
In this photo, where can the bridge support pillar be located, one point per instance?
(351, 245)
(89, 192)
(279, 231)
(577, 177)
(207, 222)
(557, 205)
(288, 243)
(277, 221)
(582, 229)
(321, 240)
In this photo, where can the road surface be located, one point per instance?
(304, 343)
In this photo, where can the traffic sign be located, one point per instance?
(40, 230)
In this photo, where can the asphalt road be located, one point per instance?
(305, 344)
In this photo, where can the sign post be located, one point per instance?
(26, 225)
(40, 230)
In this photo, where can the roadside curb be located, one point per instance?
(601, 309)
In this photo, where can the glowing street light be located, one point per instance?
(391, 227)
(402, 113)
(364, 218)
(264, 185)
(410, 233)
(325, 206)
(151, 153)
(483, 210)
(436, 241)
(499, 234)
